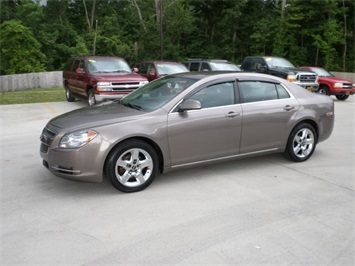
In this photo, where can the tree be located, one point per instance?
(20, 51)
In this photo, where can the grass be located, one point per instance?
(33, 96)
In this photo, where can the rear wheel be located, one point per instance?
(131, 166)
(324, 90)
(68, 95)
(301, 143)
(91, 98)
(342, 97)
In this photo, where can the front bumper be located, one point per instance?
(313, 87)
(110, 96)
(341, 91)
(80, 164)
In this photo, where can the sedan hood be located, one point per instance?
(91, 116)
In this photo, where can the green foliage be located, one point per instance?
(37, 95)
(37, 37)
(20, 51)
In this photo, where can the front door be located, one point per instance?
(209, 133)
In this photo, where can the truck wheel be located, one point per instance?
(131, 166)
(68, 95)
(342, 97)
(301, 143)
(324, 90)
(91, 98)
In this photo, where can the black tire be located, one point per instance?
(131, 166)
(301, 143)
(342, 97)
(68, 95)
(91, 98)
(324, 90)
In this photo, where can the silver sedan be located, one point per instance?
(183, 120)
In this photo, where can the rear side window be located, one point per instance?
(256, 91)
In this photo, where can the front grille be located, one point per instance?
(123, 84)
(347, 86)
(306, 78)
(47, 137)
(44, 148)
(117, 86)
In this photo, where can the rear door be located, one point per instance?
(78, 81)
(268, 110)
(209, 133)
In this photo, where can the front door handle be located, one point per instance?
(288, 108)
(232, 114)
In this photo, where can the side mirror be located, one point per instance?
(189, 104)
(79, 70)
(135, 70)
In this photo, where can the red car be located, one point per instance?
(331, 85)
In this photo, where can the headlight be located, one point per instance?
(144, 82)
(77, 139)
(104, 86)
(338, 85)
(291, 78)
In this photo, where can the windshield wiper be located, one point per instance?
(121, 70)
(133, 106)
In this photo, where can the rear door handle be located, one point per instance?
(232, 114)
(288, 108)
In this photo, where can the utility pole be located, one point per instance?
(95, 38)
(161, 30)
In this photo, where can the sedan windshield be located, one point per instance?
(278, 62)
(321, 72)
(167, 69)
(108, 66)
(224, 66)
(156, 93)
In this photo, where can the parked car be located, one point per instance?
(156, 69)
(331, 85)
(210, 65)
(99, 78)
(281, 67)
(185, 119)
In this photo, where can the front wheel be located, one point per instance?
(301, 143)
(131, 166)
(342, 97)
(91, 98)
(324, 90)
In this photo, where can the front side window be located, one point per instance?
(143, 68)
(256, 91)
(205, 67)
(216, 95)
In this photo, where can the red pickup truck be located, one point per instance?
(99, 78)
(331, 85)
